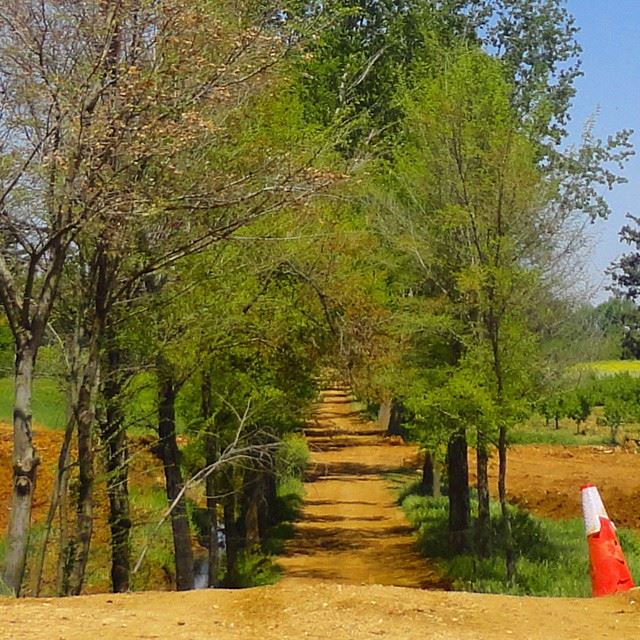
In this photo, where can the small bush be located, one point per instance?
(257, 570)
(292, 457)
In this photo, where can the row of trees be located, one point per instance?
(217, 196)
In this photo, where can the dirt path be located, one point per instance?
(352, 532)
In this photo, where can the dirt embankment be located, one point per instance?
(319, 610)
(546, 480)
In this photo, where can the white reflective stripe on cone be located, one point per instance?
(592, 509)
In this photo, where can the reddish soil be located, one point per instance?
(353, 533)
(47, 443)
(546, 480)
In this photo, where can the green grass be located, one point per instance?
(4, 589)
(48, 405)
(552, 555)
(534, 431)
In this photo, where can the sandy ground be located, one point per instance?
(351, 548)
(301, 608)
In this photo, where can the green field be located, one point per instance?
(49, 404)
(609, 367)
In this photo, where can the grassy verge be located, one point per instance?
(552, 555)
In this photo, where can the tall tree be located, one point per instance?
(478, 216)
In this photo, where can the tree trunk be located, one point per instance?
(114, 438)
(170, 454)
(502, 492)
(427, 474)
(232, 539)
(483, 523)
(269, 517)
(25, 463)
(251, 498)
(395, 420)
(384, 414)
(212, 522)
(265, 502)
(459, 508)
(59, 487)
(85, 421)
(211, 456)
(437, 478)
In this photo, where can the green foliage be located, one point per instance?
(292, 457)
(256, 570)
(471, 270)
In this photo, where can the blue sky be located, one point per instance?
(610, 37)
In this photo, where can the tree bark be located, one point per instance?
(483, 523)
(251, 498)
(459, 507)
(395, 420)
(427, 474)
(59, 487)
(25, 463)
(232, 539)
(170, 454)
(437, 478)
(211, 456)
(502, 492)
(212, 518)
(114, 438)
(384, 414)
(85, 421)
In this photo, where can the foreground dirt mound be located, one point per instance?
(298, 608)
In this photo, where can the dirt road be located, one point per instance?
(352, 532)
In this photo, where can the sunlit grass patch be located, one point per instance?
(609, 367)
(48, 404)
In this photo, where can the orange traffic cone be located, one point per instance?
(609, 570)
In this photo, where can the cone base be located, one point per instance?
(609, 570)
